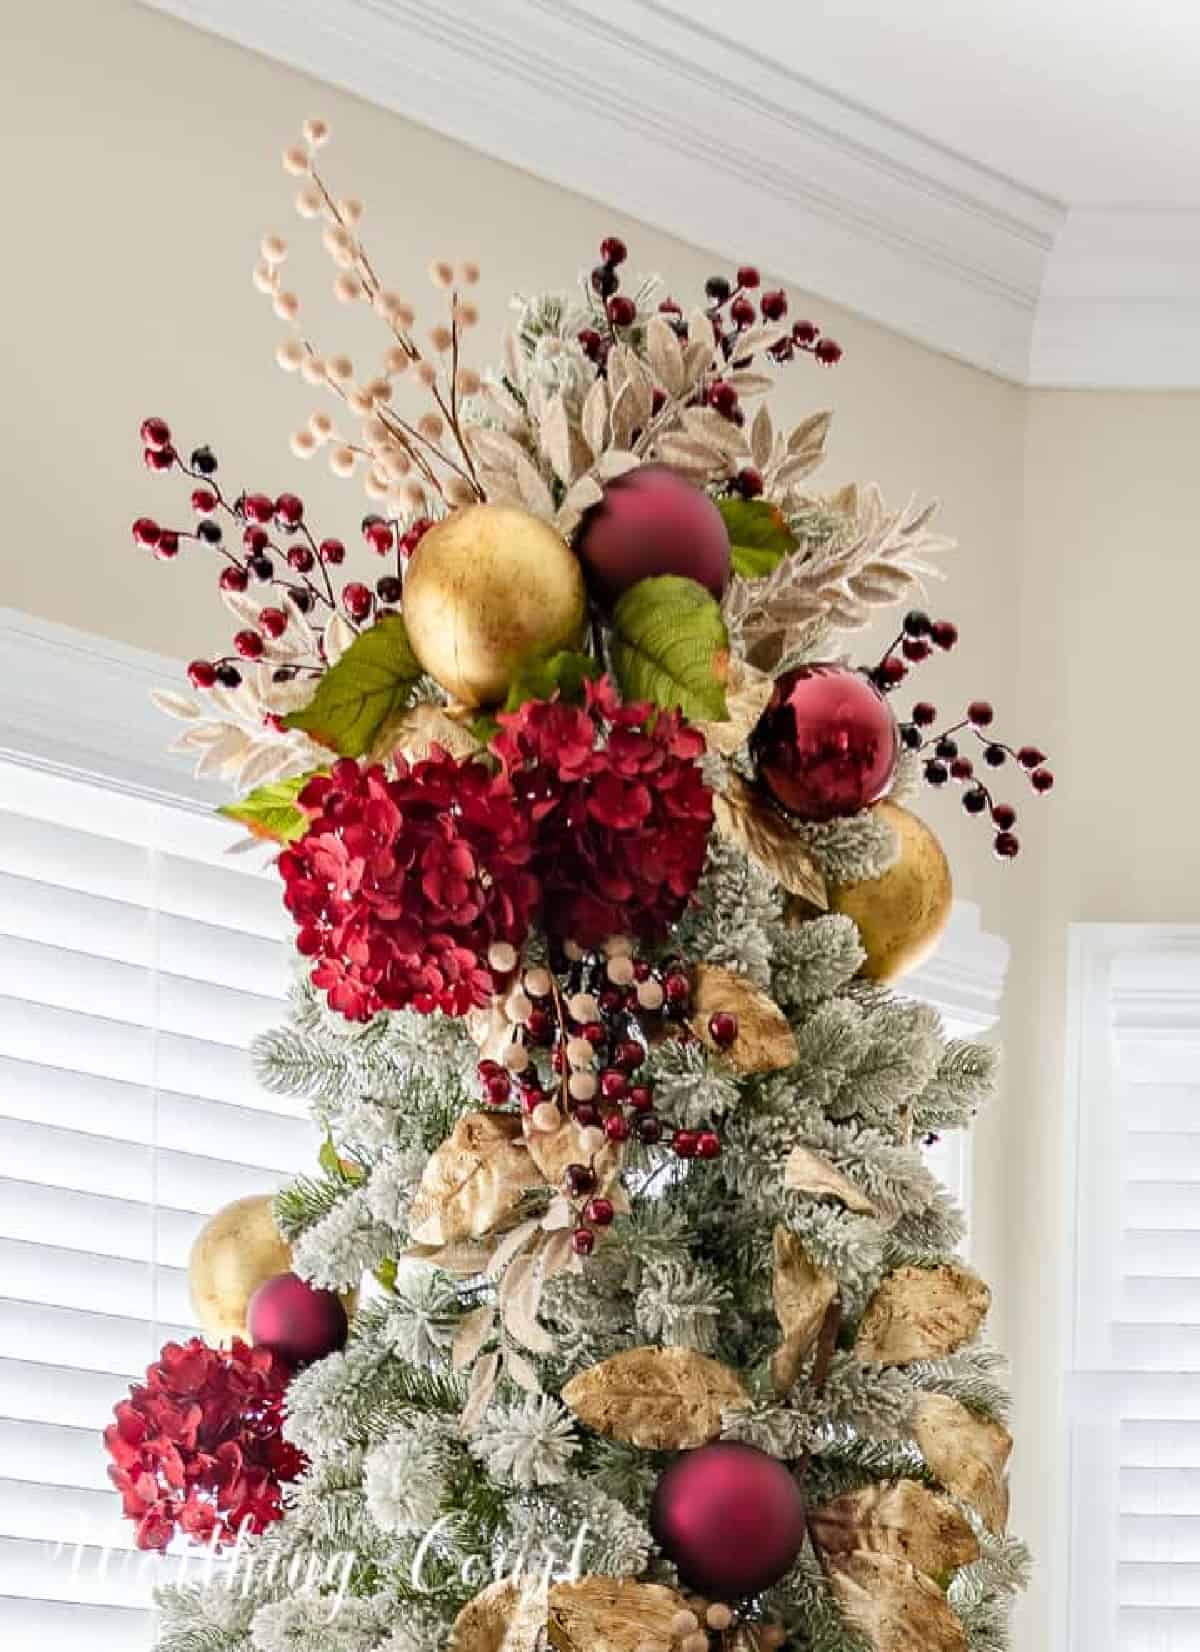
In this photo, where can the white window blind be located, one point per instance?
(137, 961)
(1133, 1392)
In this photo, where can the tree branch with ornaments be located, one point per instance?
(622, 1312)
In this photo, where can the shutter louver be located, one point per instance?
(1135, 1388)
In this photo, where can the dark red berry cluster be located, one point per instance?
(617, 309)
(579, 1038)
(734, 312)
(946, 762)
(918, 638)
(269, 544)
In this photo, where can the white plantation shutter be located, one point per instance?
(1133, 1396)
(137, 961)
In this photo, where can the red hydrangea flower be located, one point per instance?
(198, 1446)
(621, 808)
(400, 885)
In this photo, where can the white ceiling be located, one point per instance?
(1014, 182)
(1091, 101)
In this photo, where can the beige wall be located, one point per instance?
(146, 170)
(1107, 681)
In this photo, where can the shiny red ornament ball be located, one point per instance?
(651, 522)
(730, 1517)
(295, 1320)
(827, 744)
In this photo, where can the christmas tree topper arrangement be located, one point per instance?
(600, 857)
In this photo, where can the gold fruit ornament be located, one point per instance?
(234, 1253)
(901, 915)
(486, 590)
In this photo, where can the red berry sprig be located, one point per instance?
(579, 1038)
(946, 762)
(919, 636)
(272, 545)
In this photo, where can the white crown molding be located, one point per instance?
(964, 979)
(1120, 302)
(647, 112)
(651, 113)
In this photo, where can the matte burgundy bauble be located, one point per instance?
(730, 1517)
(295, 1320)
(651, 522)
(827, 744)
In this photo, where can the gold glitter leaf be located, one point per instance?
(894, 1606)
(661, 1399)
(922, 1313)
(474, 1182)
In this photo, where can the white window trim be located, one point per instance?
(1133, 1011)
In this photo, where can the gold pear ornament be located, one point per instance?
(488, 589)
(235, 1252)
(901, 915)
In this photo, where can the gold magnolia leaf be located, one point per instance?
(508, 1616)
(802, 1293)
(904, 1519)
(893, 1605)
(553, 1150)
(746, 694)
(754, 825)
(416, 731)
(612, 1614)
(661, 1399)
(474, 1181)
(765, 1041)
(968, 1454)
(922, 1313)
(807, 1172)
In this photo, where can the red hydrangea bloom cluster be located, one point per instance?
(621, 809)
(400, 885)
(199, 1447)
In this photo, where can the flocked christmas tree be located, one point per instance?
(622, 1312)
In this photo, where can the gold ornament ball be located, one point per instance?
(486, 590)
(235, 1252)
(901, 915)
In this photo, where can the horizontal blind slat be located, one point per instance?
(62, 1626)
(53, 1454)
(59, 1394)
(56, 1277)
(50, 1335)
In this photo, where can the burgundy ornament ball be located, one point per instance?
(651, 522)
(295, 1320)
(730, 1517)
(827, 744)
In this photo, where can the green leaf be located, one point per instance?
(759, 536)
(563, 674)
(370, 683)
(270, 811)
(670, 646)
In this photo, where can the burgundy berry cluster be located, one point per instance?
(264, 540)
(619, 309)
(918, 638)
(946, 762)
(733, 312)
(579, 1036)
